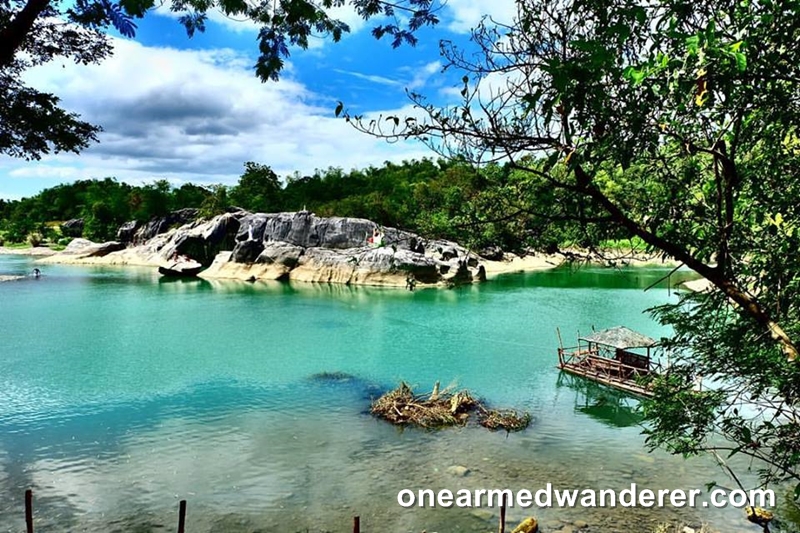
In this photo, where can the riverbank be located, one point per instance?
(224, 268)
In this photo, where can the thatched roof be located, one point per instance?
(620, 337)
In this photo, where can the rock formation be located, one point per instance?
(72, 227)
(298, 246)
(87, 248)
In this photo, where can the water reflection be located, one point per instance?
(608, 406)
(600, 278)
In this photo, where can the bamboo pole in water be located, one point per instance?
(29, 510)
(503, 513)
(182, 517)
(356, 524)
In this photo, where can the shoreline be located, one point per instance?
(512, 263)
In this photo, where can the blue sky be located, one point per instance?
(191, 110)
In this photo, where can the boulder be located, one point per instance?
(72, 227)
(280, 253)
(492, 253)
(309, 231)
(76, 246)
(157, 225)
(448, 252)
(127, 231)
(87, 248)
(251, 227)
(247, 251)
(461, 275)
(203, 240)
(529, 525)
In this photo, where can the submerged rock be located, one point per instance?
(335, 377)
(529, 525)
(458, 470)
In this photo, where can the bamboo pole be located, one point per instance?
(356, 524)
(29, 510)
(182, 517)
(503, 513)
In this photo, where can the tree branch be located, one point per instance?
(14, 34)
(748, 303)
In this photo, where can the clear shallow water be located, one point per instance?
(121, 393)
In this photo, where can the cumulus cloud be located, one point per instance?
(463, 15)
(197, 116)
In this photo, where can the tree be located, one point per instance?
(31, 122)
(33, 32)
(676, 123)
(258, 189)
(216, 202)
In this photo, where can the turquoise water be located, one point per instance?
(122, 393)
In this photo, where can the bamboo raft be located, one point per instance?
(616, 357)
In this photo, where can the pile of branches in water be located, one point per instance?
(439, 409)
(507, 419)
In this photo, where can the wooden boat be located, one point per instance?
(618, 357)
(180, 268)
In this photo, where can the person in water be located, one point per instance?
(36, 273)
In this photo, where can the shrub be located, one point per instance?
(34, 239)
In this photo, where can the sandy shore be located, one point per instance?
(127, 257)
(697, 285)
(515, 263)
(39, 251)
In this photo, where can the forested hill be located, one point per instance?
(438, 199)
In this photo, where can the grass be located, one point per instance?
(17, 245)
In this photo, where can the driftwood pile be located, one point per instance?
(443, 408)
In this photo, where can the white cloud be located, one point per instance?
(381, 80)
(411, 78)
(196, 116)
(466, 14)
(422, 75)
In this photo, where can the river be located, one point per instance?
(122, 393)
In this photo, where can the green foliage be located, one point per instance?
(258, 189)
(452, 200)
(34, 239)
(216, 202)
(104, 205)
